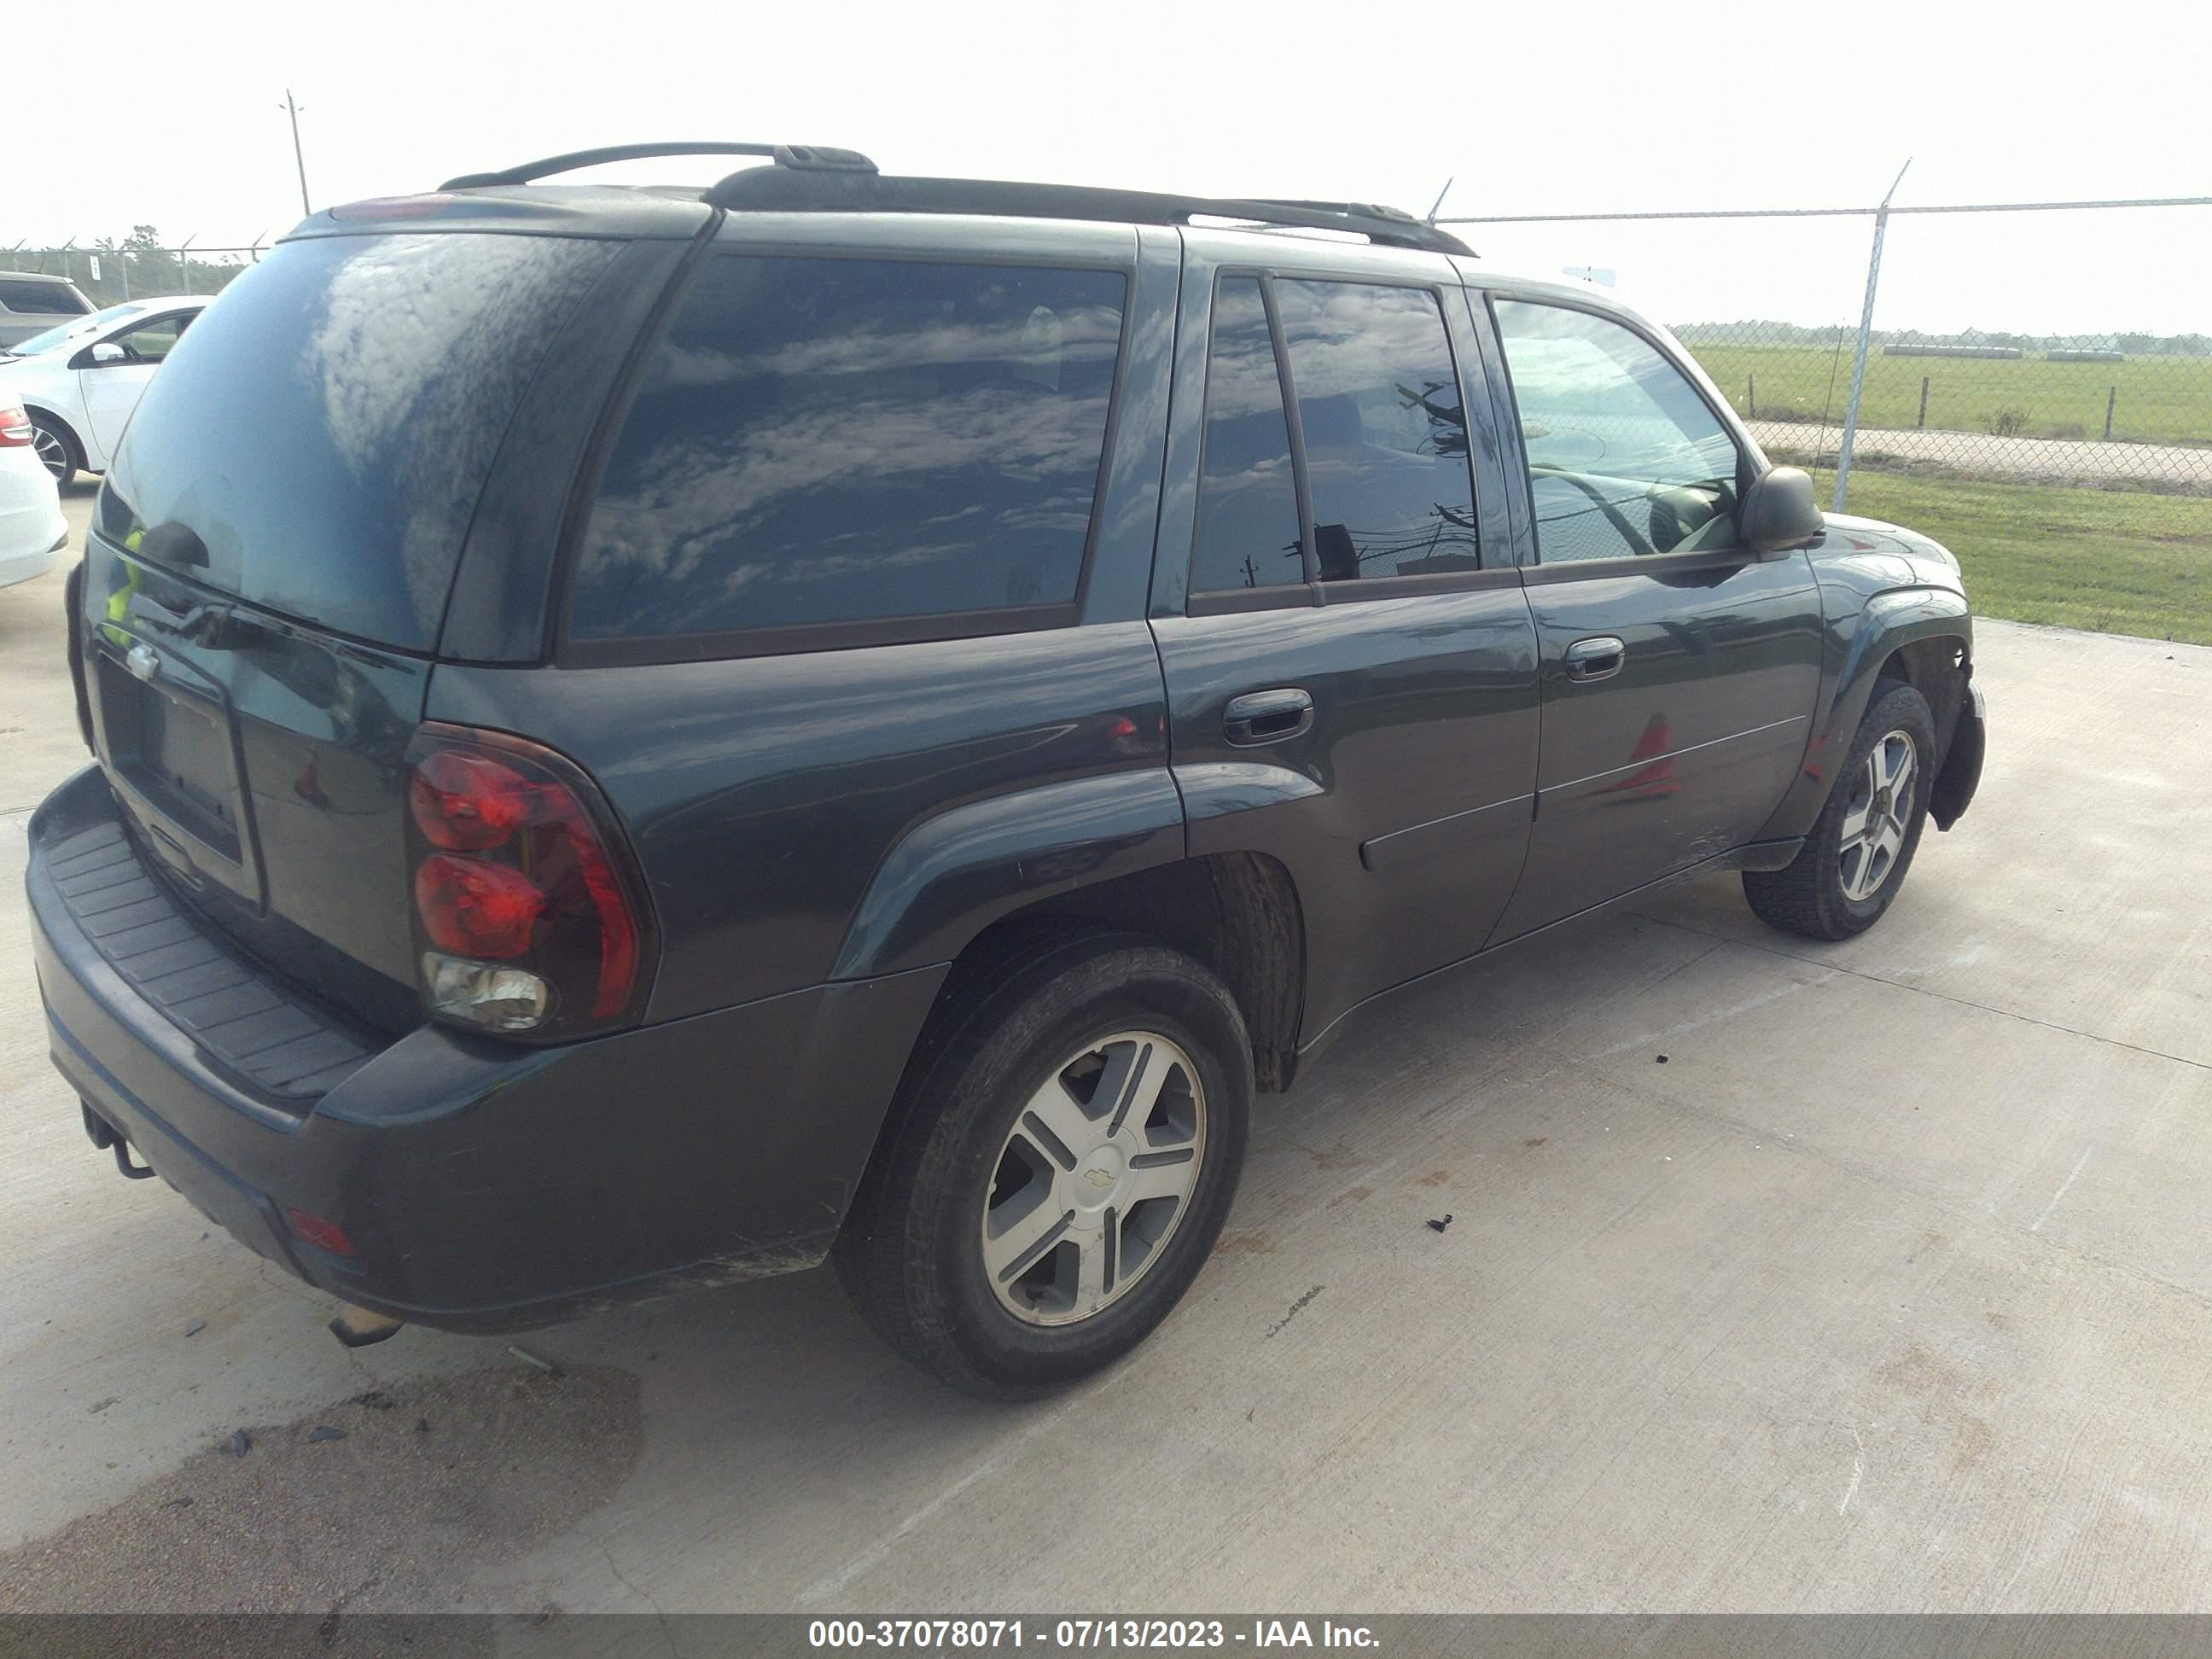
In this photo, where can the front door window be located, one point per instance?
(1625, 458)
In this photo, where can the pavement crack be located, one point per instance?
(624, 1579)
(1293, 1311)
(1941, 996)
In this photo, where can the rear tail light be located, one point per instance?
(529, 918)
(15, 427)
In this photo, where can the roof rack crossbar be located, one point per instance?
(772, 189)
(797, 157)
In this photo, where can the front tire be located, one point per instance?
(1064, 1153)
(1853, 863)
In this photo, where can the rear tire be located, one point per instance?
(1853, 863)
(1003, 1239)
(56, 450)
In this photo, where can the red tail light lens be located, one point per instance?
(15, 427)
(529, 917)
(463, 801)
(314, 1229)
(475, 908)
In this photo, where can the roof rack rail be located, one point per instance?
(797, 157)
(780, 189)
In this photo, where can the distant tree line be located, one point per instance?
(1767, 331)
(139, 265)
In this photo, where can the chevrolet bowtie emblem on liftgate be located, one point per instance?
(142, 661)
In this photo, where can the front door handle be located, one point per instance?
(1259, 717)
(1597, 659)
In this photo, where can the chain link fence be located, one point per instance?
(2081, 409)
(108, 272)
(2116, 407)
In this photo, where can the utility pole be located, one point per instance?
(293, 110)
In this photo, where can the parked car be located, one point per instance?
(33, 532)
(81, 379)
(688, 733)
(31, 302)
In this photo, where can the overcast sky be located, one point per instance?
(168, 116)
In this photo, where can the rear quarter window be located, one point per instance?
(845, 441)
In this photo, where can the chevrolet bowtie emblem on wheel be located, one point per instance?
(1099, 1178)
(142, 661)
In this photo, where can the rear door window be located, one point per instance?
(1247, 497)
(1386, 464)
(851, 441)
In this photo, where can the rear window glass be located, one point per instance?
(42, 298)
(317, 441)
(841, 440)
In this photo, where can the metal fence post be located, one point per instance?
(1923, 421)
(2111, 397)
(1866, 331)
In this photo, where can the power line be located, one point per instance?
(1833, 213)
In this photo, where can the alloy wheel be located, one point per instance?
(1878, 815)
(1094, 1179)
(51, 451)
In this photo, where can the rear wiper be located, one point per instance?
(211, 626)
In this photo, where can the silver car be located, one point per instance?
(31, 302)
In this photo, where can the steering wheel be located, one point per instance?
(1615, 516)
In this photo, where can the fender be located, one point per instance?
(1893, 618)
(953, 875)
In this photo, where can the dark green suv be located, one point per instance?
(650, 738)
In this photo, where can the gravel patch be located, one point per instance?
(424, 1485)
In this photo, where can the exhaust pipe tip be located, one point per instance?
(357, 1328)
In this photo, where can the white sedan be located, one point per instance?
(80, 382)
(32, 528)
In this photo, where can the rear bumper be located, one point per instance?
(485, 1187)
(31, 544)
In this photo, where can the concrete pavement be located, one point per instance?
(1890, 1288)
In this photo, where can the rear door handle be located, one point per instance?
(1259, 717)
(1599, 658)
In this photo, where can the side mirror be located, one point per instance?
(107, 352)
(1777, 512)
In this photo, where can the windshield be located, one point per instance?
(75, 328)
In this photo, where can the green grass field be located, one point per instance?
(2161, 399)
(2113, 562)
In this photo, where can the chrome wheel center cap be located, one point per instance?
(1099, 1176)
